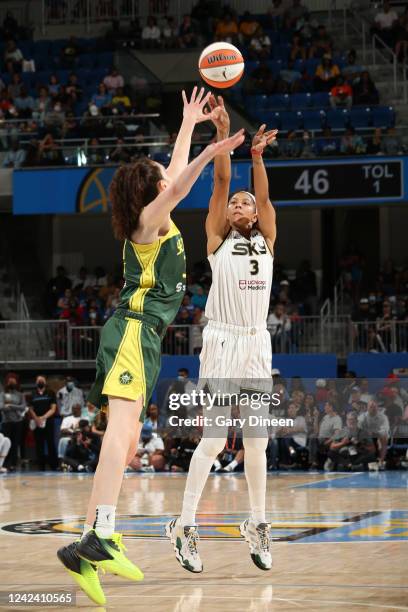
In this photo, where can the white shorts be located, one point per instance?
(236, 353)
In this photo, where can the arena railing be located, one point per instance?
(381, 336)
(57, 342)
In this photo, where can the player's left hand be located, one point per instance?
(219, 114)
(195, 107)
(262, 138)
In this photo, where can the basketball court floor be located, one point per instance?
(340, 542)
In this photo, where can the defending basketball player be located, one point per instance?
(241, 232)
(143, 195)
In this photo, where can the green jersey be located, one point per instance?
(155, 276)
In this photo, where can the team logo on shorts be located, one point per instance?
(125, 378)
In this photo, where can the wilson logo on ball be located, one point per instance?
(221, 65)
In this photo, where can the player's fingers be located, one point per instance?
(200, 95)
(261, 129)
(183, 95)
(205, 100)
(212, 101)
(221, 101)
(193, 94)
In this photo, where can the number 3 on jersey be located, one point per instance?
(254, 266)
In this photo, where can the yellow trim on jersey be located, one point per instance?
(129, 358)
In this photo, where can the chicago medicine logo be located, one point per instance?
(253, 285)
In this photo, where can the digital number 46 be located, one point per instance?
(315, 181)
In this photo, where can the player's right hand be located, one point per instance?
(220, 117)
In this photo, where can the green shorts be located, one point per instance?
(128, 360)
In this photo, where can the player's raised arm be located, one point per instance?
(264, 209)
(193, 112)
(216, 224)
(155, 214)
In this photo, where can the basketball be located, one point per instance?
(221, 65)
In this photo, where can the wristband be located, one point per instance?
(255, 152)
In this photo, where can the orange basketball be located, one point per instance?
(221, 65)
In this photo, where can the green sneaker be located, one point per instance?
(107, 553)
(84, 573)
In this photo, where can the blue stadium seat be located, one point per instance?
(360, 117)
(300, 100)
(278, 102)
(281, 51)
(383, 116)
(321, 100)
(313, 119)
(271, 118)
(337, 119)
(290, 120)
(258, 102)
(275, 66)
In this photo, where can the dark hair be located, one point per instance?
(132, 188)
(231, 195)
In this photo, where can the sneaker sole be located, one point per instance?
(177, 552)
(253, 556)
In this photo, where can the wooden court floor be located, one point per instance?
(340, 542)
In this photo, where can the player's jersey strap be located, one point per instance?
(155, 276)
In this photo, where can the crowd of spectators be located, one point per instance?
(337, 424)
(380, 313)
(392, 28)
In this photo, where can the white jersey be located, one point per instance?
(242, 272)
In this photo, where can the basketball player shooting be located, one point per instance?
(241, 232)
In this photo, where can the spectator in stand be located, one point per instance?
(321, 44)
(54, 119)
(113, 81)
(341, 94)
(73, 89)
(374, 424)
(351, 143)
(308, 146)
(199, 298)
(392, 143)
(327, 144)
(102, 99)
(69, 396)
(260, 80)
(100, 424)
(248, 27)
(170, 34)
(374, 146)
(5, 444)
(152, 416)
(294, 13)
(291, 146)
(24, 104)
(16, 85)
(384, 327)
(95, 154)
(89, 413)
(12, 411)
(385, 25)
(260, 45)
(401, 45)
(227, 30)
(307, 28)
(69, 424)
(291, 76)
(326, 74)
(56, 287)
(15, 156)
(329, 430)
(187, 33)
(13, 58)
(151, 34)
(298, 49)
(120, 154)
(150, 453)
(365, 92)
(49, 153)
(69, 53)
(276, 14)
(42, 407)
(364, 320)
(83, 450)
(279, 326)
(41, 104)
(352, 71)
(121, 101)
(292, 440)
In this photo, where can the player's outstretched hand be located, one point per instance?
(227, 145)
(195, 108)
(262, 138)
(219, 114)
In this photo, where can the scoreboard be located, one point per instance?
(336, 182)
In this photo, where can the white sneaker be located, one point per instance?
(258, 538)
(184, 540)
(328, 465)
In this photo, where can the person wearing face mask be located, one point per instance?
(68, 396)
(12, 409)
(42, 408)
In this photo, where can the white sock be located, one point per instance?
(86, 529)
(255, 473)
(105, 520)
(231, 466)
(217, 465)
(2, 458)
(200, 466)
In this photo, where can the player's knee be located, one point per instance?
(255, 445)
(211, 447)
